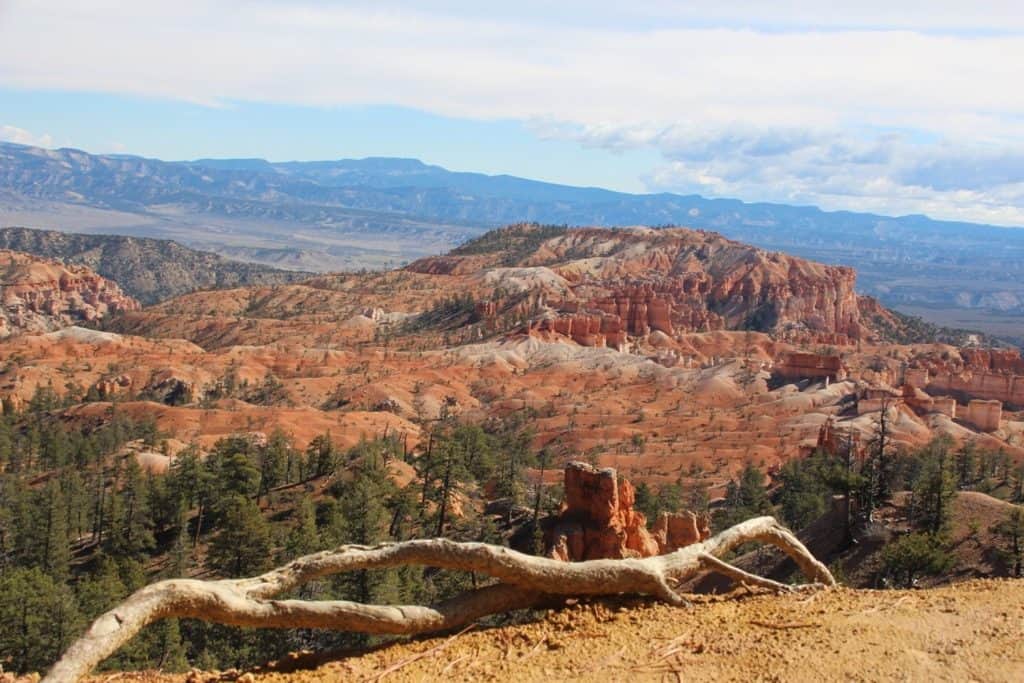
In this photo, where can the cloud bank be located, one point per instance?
(24, 137)
(885, 106)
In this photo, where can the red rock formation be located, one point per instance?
(836, 441)
(105, 388)
(983, 415)
(486, 309)
(796, 366)
(11, 404)
(675, 530)
(598, 521)
(585, 330)
(983, 386)
(986, 374)
(37, 295)
(678, 280)
(1007, 361)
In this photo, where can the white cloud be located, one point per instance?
(321, 53)
(757, 99)
(934, 15)
(24, 137)
(884, 172)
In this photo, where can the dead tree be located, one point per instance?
(523, 581)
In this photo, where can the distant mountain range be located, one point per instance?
(383, 211)
(148, 270)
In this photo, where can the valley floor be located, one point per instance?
(968, 631)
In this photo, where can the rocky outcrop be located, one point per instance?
(984, 374)
(675, 530)
(41, 296)
(797, 366)
(982, 385)
(835, 441)
(614, 283)
(105, 389)
(585, 330)
(1005, 361)
(598, 521)
(985, 416)
(149, 270)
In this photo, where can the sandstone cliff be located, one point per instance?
(37, 295)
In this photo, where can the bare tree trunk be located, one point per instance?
(525, 580)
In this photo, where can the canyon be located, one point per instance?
(635, 361)
(670, 355)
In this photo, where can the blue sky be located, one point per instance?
(173, 130)
(893, 107)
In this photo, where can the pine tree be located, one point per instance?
(55, 555)
(321, 456)
(304, 537)
(1011, 532)
(514, 454)
(101, 589)
(273, 462)
(805, 488)
(362, 517)
(745, 498)
(76, 499)
(878, 471)
(38, 618)
(54, 447)
(243, 545)
(171, 653)
(915, 554)
(130, 518)
(966, 464)
(7, 460)
(935, 488)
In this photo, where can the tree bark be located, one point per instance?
(524, 581)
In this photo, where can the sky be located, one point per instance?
(891, 107)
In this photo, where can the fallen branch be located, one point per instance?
(525, 580)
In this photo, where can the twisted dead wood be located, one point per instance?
(524, 581)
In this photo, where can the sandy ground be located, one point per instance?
(972, 631)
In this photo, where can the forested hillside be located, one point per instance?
(83, 523)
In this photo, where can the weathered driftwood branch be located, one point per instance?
(524, 581)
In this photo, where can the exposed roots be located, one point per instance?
(524, 581)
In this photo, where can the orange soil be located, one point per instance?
(970, 631)
(652, 422)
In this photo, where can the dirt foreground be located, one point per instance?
(971, 631)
